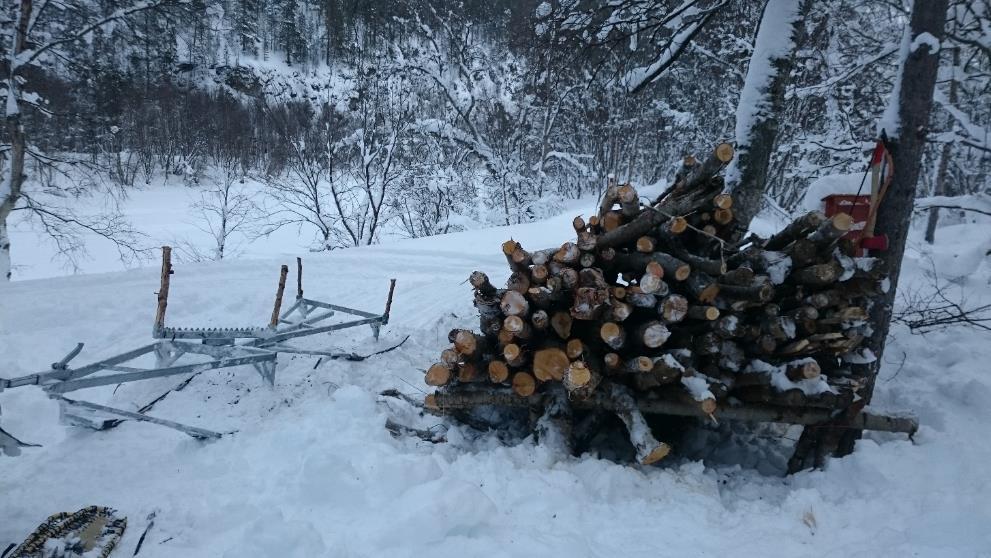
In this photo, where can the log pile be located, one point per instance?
(658, 304)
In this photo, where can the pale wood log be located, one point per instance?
(518, 281)
(646, 244)
(613, 335)
(505, 336)
(629, 201)
(802, 252)
(450, 357)
(468, 344)
(831, 230)
(498, 371)
(672, 266)
(568, 254)
(798, 228)
(514, 304)
(480, 282)
(653, 334)
(704, 313)
(611, 221)
(797, 372)
(723, 216)
(674, 308)
(524, 384)
(740, 276)
(722, 201)
(438, 374)
(521, 258)
(540, 320)
(640, 299)
(574, 348)
(581, 379)
(676, 225)
(729, 326)
(818, 275)
(550, 364)
(519, 327)
(514, 355)
(609, 199)
(589, 303)
(648, 449)
(508, 248)
(578, 223)
(543, 257)
(470, 372)
(452, 401)
(277, 309)
(619, 311)
(561, 324)
(539, 274)
(758, 291)
(612, 361)
(702, 286)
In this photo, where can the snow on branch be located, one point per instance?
(638, 78)
(28, 56)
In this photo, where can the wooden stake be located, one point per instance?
(283, 273)
(163, 290)
(299, 278)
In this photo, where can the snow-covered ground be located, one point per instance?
(310, 471)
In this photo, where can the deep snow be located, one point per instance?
(310, 470)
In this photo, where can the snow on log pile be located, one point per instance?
(652, 309)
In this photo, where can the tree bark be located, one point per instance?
(760, 105)
(915, 95)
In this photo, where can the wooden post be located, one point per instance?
(299, 278)
(278, 297)
(388, 302)
(163, 290)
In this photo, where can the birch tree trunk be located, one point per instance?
(780, 29)
(10, 186)
(944, 160)
(906, 122)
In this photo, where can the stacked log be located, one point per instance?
(652, 302)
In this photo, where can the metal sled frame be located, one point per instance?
(226, 348)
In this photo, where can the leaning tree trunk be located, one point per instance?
(780, 29)
(915, 94)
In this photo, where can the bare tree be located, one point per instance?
(226, 211)
(38, 35)
(304, 195)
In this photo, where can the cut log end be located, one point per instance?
(723, 201)
(550, 364)
(498, 371)
(655, 455)
(438, 374)
(724, 152)
(524, 384)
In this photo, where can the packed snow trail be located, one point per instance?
(311, 471)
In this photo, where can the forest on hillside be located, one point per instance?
(361, 117)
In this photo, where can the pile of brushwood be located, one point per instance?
(665, 307)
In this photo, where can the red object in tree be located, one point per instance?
(858, 207)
